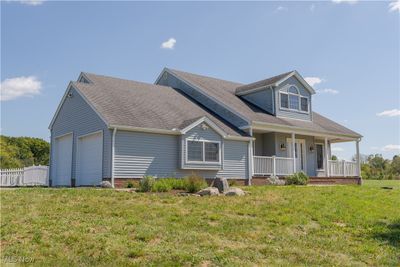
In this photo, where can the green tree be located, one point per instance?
(18, 152)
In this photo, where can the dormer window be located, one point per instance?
(293, 100)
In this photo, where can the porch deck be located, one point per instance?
(262, 180)
(281, 166)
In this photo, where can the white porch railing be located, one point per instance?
(34, 175)
(342, 168)
(272, 165)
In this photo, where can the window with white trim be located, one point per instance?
(292, 100)
(203, 151)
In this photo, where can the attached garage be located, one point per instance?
(63, 160)
(89, 161)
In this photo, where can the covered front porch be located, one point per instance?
(283, 153)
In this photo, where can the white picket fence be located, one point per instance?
(29, 176)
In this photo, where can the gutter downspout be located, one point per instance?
(112, 157)
(251, 171)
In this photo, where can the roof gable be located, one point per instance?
(206, 121)
(66, 94)
(272, 82)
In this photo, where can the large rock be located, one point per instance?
(105, 184)
(221, 183)
(234, 191)
(274, 180)
(209, 191)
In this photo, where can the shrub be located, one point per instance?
(129, 185)
(195, 183)
(177, 183)
(298, 178)
(146, 183)
(162, 185)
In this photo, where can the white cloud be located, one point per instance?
(169, 44)
(312, 7)
(328, 91)
(389, 113)
(391, 148)
(351, 2)
(313, 80)
(337, 149)
(394, 6)
(19, 87)
(386, 148)
(281, 9)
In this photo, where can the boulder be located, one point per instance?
(105, 184)
(234, 191)
(221, 183)
(274, 180)
(209, 191)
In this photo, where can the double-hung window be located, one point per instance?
(292, 100)
(203, 151)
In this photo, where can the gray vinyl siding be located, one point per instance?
(197, 133)
(236, 162)
(78, 117)
(262, 99)
(291, 113)
(138, 154)
(204, 100)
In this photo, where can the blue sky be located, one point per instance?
(349, 50)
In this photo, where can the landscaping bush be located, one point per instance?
(298, 178)
(146, 183)
(129, 185)
(176, 183)
(162, 185)
(195, 183)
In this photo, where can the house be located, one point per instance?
(113, 129)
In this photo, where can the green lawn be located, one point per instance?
(305, 225)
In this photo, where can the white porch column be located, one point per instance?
(326, 157)
(358, 158)
(294, 151)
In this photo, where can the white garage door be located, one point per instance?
(63, 161)
(89, 162)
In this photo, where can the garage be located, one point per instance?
(89, 162)
(63, 160)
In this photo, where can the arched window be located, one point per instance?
(293, 100)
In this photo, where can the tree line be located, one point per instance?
(19, 152)
(377, 168)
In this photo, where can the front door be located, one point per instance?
(300, 153)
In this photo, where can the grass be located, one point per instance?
(304, 225)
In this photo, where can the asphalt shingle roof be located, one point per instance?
(136, 104)
(225, 92)
(262, 83)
